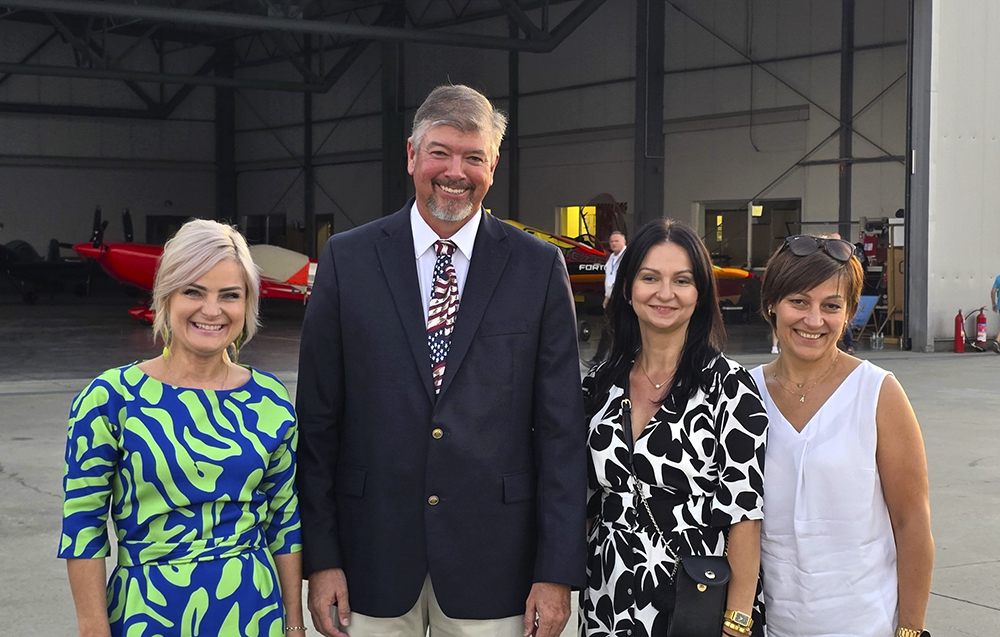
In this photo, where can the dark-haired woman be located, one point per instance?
(694, 451)
(846, 546)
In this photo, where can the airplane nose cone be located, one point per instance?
(87, 250)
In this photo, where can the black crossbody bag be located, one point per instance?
(696, 598)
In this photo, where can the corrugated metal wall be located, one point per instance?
(964, 228)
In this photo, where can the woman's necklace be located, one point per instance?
(802, 396)
(642, 369)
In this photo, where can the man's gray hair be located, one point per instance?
(463, 108)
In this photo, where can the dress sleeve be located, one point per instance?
(281, 527)
(91, 461)
(741, 423)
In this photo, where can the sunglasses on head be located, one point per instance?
(803, 244)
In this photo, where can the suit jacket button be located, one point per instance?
(433, 500)
(436, 434)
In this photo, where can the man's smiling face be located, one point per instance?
(452, 172)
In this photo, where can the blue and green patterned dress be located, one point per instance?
(201, 487)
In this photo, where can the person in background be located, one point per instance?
(617, 245)
(675, 423)
(846, 545)
(194, 455)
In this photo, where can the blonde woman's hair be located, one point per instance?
(196, 248)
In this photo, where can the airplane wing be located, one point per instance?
(285, 274)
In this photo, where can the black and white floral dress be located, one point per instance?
(704, 486)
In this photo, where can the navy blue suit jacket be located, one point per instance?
(509, 466)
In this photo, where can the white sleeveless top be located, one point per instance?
(827, 548)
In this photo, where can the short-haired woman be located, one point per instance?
(846, 544)
(676, 424)
(194, 456)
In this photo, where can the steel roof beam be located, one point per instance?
(97, 56)
(522, 20)
(262, 23)
(32, 53)
(156, 78)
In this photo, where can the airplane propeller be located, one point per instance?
(97, 236)
(127, 225)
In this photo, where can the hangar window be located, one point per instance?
(725, 229)
(576, 221)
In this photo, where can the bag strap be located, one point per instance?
(627, 425)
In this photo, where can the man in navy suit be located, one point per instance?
(442, 474)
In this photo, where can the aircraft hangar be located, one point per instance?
(749, 120)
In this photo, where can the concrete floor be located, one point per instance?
(48, 352)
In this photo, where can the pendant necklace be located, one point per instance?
(642, 369)
(802, 395)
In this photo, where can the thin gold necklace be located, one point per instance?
(802, 396)
(642, 368)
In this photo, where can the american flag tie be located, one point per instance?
(443, 310)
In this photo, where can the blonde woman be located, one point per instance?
(194, 456)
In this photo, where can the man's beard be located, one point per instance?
(459, 211)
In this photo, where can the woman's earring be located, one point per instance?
(630, 302)
(238, 345)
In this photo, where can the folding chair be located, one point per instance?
(864, 315)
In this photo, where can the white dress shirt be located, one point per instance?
(611, 271)
(423, 249)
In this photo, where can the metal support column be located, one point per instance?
(393, 129)
(916, 319)
(649, 143)
(513, 146)
(225, 137)
(308, 173)
(846, 116)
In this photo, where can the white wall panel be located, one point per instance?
(357, 135)
(279, 143)
(591, 107)
(738, 171)
(877, 190)
(272, 192)
(963, 228)
(427, 66)
(824, 21)
(355, 194)
(602, 48)
(570, 174)
(821, 195)
(877, 22)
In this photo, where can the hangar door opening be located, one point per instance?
(725, 230)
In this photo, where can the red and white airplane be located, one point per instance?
(285, 274)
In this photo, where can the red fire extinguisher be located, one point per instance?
(981, 327)
(959, 333)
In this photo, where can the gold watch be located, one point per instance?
(743, 620)
(911, 632)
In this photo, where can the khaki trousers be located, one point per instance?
(427, 618)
